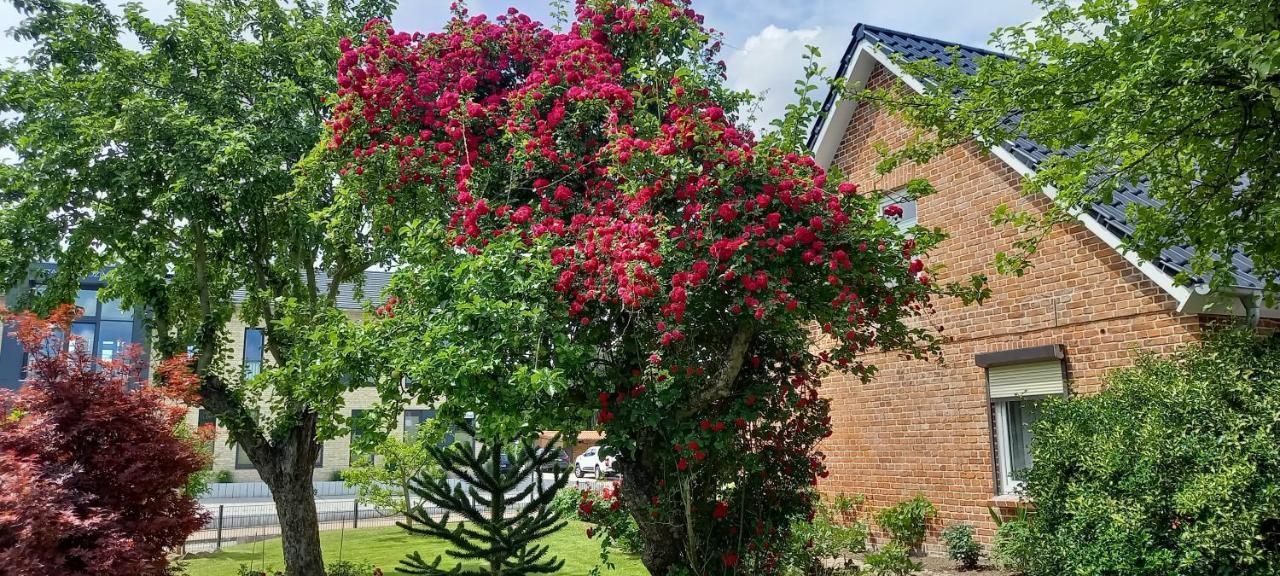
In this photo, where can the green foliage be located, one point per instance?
(171, 154)
(506, 544)
(224, 477)
(246, 570)
(892, 559)
(907, 521)
(1181, 95)
(1014, 546)
(382, 474)
(612, 525)
(817, 548)
(346, 568)
(961, 546)
(1173, 469)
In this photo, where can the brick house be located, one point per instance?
(956, 431)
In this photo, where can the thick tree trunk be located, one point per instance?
(286, 467)
(295, 500)
(664, 541)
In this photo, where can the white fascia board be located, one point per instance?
(866, 56)
(837, 121)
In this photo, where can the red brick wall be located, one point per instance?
(925, 427)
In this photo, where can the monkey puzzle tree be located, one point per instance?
(177, 163)
(613, 242)
(504, 507)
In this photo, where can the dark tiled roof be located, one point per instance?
(911, 47)
(375, 281)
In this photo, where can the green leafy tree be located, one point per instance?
(174, 159)
(504, 508)
(1180, 96)
(383, 472)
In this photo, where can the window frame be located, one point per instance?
(351, 442)
(319, 458)
(1002, 455)
(1005, 482)
(899, 197)
(244, 352)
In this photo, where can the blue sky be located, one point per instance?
(764, 38)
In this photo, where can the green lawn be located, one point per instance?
(384, 547)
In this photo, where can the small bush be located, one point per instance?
(1014, 547)
(893, 559)
(611, 522)
(223, 477)
(907, 521)
(816, 548)
(961, 546)
(347, 568)
(1173, 470)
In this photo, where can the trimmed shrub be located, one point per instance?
(961, 546)
(907, 521)
(893, 559)
(1173, 470)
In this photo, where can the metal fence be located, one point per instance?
(237, 523)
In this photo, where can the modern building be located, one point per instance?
(957, 430)
(107, 330)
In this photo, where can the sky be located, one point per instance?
(764, 39)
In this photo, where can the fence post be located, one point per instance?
(218, 546)
(355, 518)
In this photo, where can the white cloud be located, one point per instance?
(769, 63)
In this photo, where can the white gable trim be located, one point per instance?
(866, 57)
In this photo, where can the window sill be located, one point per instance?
(1010, 501)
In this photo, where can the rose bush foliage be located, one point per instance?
(582, 224)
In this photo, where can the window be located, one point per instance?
(84, 332)
(206, 418)
(357, 430)
(87, 302)
(244, 463)
(253, 342)
(104, 329)
(114, 337)
(908, 205)
(413, 419)
(242, 460)
(1016, 391)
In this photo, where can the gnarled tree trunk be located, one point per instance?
(287, 468)
(664, 538)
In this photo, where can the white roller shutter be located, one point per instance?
(1032, 379)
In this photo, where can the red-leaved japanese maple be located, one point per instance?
(93, 466)
(635, 247)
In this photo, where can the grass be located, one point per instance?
(384, 547)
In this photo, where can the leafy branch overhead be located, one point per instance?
(1177, 99)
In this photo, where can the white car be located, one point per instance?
(593, 462)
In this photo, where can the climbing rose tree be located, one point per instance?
(94, 466)
(583, 222)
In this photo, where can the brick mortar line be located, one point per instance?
(1068, 325)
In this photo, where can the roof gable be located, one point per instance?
(873, 46)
